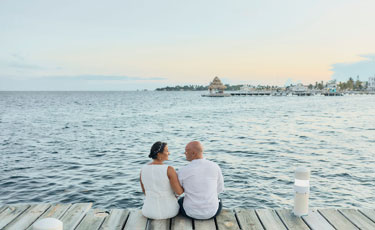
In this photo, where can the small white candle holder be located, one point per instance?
(48, 224)
(301, 191)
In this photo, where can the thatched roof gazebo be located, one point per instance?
(216, 89)
(217, 86)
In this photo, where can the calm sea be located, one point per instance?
(90, 146)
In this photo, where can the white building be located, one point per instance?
(331, 86)
(298, 88)
(371, 83)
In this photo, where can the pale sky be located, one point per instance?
(129, 45)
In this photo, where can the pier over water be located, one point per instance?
(81, 216)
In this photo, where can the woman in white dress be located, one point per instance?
(160, 183)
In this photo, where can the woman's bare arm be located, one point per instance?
(140, 180)
(173, 179)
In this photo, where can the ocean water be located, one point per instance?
(90, 146)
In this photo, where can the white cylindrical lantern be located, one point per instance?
(301, 191)
(48, 224)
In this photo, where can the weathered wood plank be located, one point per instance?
(11, 213)
(93, 220)
(358, 219)
(116, 220)
(55, 211)
(226, 220)
(270, 219)
(336, 219)
(74, 215)
(316, 221)
(248, 219)
(290, 220)
(28, 217)
(2, 208)
(136, 221)
(181, 223)
(158, 224)
(370, 213)
(204, 224)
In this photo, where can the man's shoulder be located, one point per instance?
(212, 163)
(183, 168)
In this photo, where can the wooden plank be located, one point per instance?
(2, 208)
(116, 220)
(316, 221)
(358, 219)
(11, 213)
(336, 219)
(270, 219)
(204, 224)
(290, 220)
(93, 220)
(248, 219)
(55, 211)
(158, 224)
(226, 220)
(74, 215)
(28, 217)
(370, 213)
(181, 223)
(136, 221)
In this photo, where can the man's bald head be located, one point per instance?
(194, 150)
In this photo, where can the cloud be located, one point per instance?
(20, 63)
(102, 78)
(364, 69)
(80, 82)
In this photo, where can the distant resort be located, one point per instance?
(332, 88)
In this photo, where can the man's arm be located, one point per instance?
(220, 182)
(179, 176)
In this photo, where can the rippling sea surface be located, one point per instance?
(90, 146)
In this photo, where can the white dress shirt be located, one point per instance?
(202, 181)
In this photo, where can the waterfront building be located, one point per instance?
(299, 88)
(246, 88)
(331, 86)
(371, 83)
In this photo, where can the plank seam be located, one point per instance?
(80, 221)
(66, 210)
(238, 222)
(148, 223)
(326, 219)
(348, 218)
(256, 213)
(39, 216)
(29, 206)
(366, 215)
(126, 220)
(216, 226)
(277, 213)
(318, 213)
(306, 223)
(102, 222)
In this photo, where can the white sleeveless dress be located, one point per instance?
(160, 201)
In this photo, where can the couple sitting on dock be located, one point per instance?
(201, 181)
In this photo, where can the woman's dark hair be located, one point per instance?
(157, 147)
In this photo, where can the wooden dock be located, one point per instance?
(81, 216)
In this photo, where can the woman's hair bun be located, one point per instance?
(156, 148)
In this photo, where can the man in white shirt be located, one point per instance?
(202, 181)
